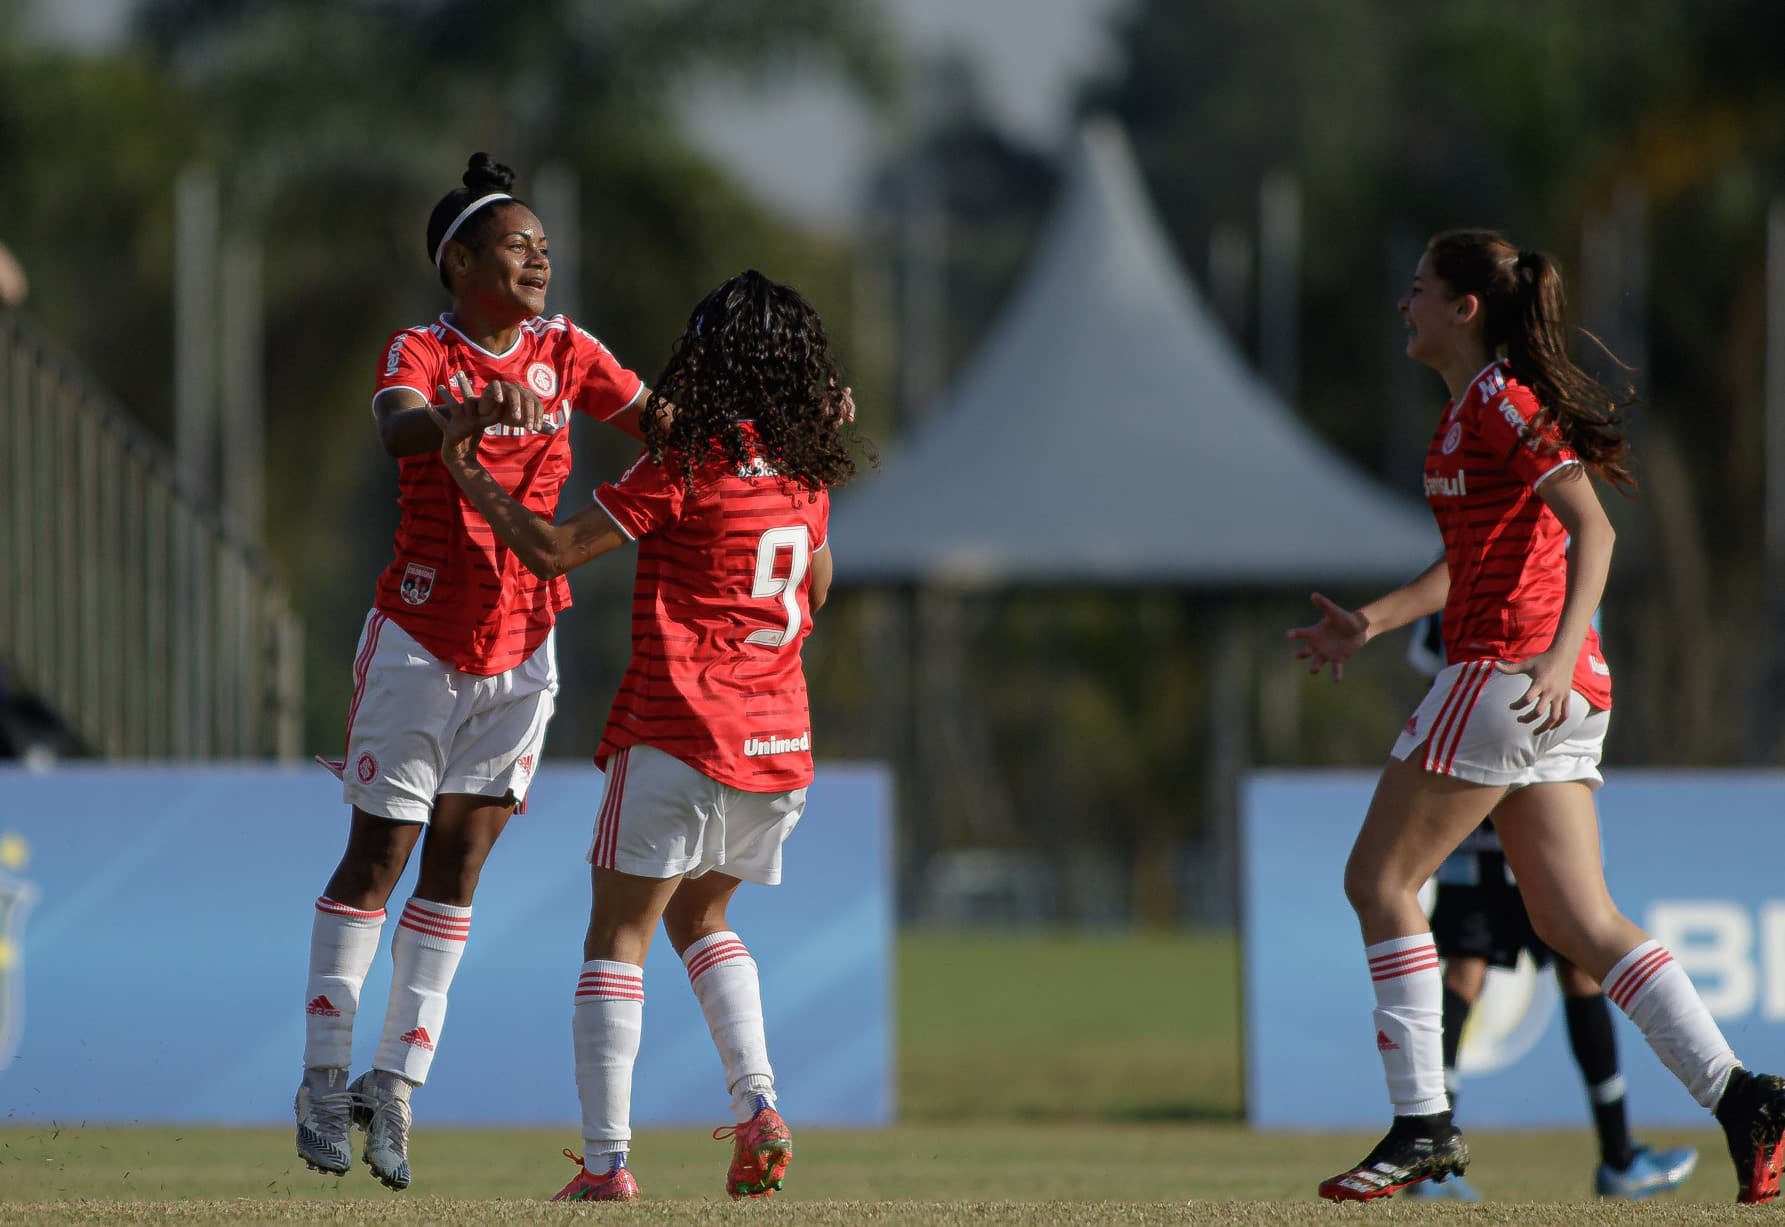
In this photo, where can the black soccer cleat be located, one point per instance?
(1752, 1113)
(1416, 1148)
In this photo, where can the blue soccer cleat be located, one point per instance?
(1650, 1172)
(1453, 1188)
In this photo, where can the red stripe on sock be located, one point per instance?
(325, 904)
(1380, 961)
(1637, 975)
(1429, 964)
(712, 956)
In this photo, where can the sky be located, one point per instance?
(1029, 55)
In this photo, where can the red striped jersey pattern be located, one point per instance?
(1506, 551)
(720, 608)
(452, 584)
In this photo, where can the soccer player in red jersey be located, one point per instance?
(456, 676)
(1516, 721)
(708, 747)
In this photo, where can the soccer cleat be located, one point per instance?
(324, 1112)
(1414, 1149)
(1752, 1113)
(1650, 1172)
(381, 1108)
(761, 1149)
(617, 1185)
(1443, 1188)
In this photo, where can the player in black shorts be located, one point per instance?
(1479, 921)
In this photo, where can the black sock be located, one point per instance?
(1456, 1014)
(1596, 1051)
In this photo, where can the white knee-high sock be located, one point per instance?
(605, 1029)
(1409, 1020)
(424, 954)
(1659, 998)
(343, 941)
(729, 989)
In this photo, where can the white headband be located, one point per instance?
(458, 221)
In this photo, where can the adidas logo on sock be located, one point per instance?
(1383, 1043)
(322, 1006)
(419, 1038)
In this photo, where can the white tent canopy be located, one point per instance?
(1109, 433)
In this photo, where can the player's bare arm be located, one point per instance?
(631, 419)
(822, 569)
(406, 422)
(1341, 632)
(544, 548)
(1570, 495)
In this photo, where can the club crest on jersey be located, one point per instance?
(757, 747)
(542, 379)
(418, 584)
(1453, 438)
(16, 898)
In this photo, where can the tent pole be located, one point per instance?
(1227, 729)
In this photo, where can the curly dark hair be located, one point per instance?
(754, 351)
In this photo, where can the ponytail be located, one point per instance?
(1524, 316)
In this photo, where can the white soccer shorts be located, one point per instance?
(660, 817)
(1465, 727)
(419, 728)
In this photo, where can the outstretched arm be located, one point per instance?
(406, 423)
(544, 548)
(1340, 632)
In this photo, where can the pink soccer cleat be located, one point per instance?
(617, 1185)
(761, 1149)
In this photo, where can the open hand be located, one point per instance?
(462, 418)
(1331, 641)
(1552, 682)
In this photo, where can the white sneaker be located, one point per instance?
(324, 1111)
(381, 1108)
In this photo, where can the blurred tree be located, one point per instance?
(1533, 118)
(335, 126)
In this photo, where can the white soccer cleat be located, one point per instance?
(324, 1112)
(381, 1108)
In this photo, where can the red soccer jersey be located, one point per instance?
(1506, 551)
(453, 585)
(720, 608)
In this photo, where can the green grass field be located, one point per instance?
(1120, 1104)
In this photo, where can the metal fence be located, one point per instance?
(150, 629)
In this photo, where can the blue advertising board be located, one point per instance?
(155, 930)
(1688, 856)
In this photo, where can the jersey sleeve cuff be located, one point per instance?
(1543, 477)
(637, 398)
(399, 387)
(615, 517)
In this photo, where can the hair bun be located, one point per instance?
(484, 174)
